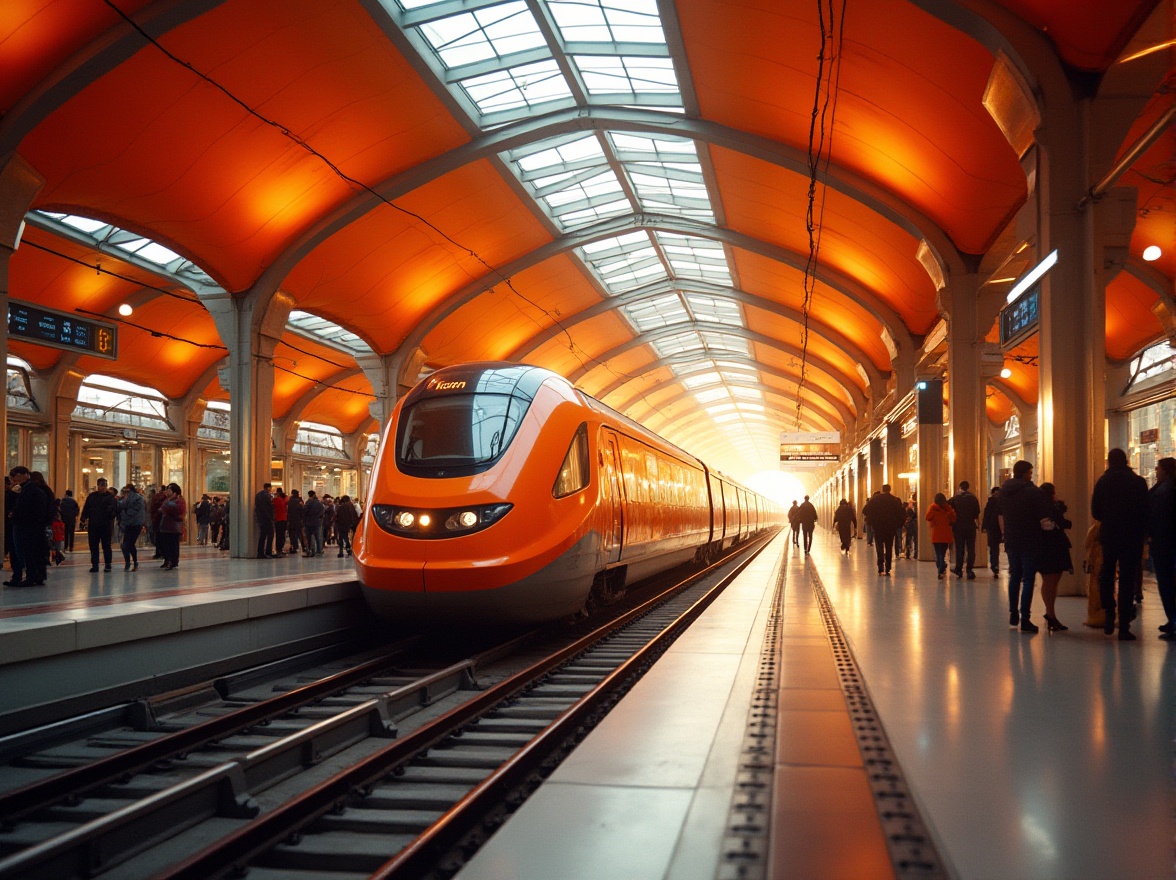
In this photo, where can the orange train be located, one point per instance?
(501, 493)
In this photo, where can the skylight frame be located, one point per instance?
(327, 332)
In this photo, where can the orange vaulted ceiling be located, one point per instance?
(384, 273)
(899, 122)
(214, 183)
(1088, 34)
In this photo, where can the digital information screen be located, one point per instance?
(61, 330)
(1018, 320)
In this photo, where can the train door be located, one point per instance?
(610, 482)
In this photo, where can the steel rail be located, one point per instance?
(27, 799)
(232, 853)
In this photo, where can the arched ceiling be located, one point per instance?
(620, 192)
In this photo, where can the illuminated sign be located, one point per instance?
(1019, 320)
(809, 456)
(61, 330)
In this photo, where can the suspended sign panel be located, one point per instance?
(804, 438)
(61, 330)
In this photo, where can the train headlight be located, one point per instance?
(457, 521)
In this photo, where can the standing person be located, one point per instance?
(154, 503)
(281, 518)
(132, 511)
(867, 527)
(807, 515)
(885, 514)
(29, 515)
(97, 517)
(312, 524)
(328, 520)
(1162, 540)
(942, 517)
(69, 516)
(1055, 557)
(171, 526)
(1024, 515)
(967, 509)
(346, 519)
(1120, 504)
(216, 520)
(794, 523)
(203, 519)
(263, 516)
(845, 520)
(910, 529)
(294, 520)
(990, 525)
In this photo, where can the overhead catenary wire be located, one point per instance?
(820, 151)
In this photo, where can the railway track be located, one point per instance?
(288, 765)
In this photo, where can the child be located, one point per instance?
(57, 526)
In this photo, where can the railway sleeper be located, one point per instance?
(546, 712)
(415, 774)
(415, 796)
(476, 738)
(488, 759)
(338, 852)
(371, 820)
(511, 725)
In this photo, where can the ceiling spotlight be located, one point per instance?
(1006, 373)
(125, 309)
(1152, 252)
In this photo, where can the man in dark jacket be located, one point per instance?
(98, 515)
(1120, 504)
(794, 523)
(990, 525)
(1024, 515)
(30, 515)
(806, 515)
(263, 515)
(69, 510)
(1162, 540)
(967, 509)
(886, 515)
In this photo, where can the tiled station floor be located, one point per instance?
(1029, 756)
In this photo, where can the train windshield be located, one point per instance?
(457, 434)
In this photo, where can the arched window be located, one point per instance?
(319, 441)
(106, 399)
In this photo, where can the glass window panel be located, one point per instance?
(523, 86)
(633, 76)
(492, 32)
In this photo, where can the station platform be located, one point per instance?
(1028, 756)
(92, 637)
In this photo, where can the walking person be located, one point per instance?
(263, 516)
(171, 526)
(942, 517)
(1024, 515)
(885, 514)
(794, 523)
(29, 516)
(910, 529)
(203, 513)
(1120, 503)
(806, 514)
(990, 525)
(845, 521)
(1055, 557)
(1162, 540)
(967, 510)
(69, 517)
(98, 517)
(132, 511)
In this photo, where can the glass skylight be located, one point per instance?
(596, 21)
(494, 32)
(625, 262)
(103, 234)
(322, 330)
(518, 88)
(658, 311)
(715, 309)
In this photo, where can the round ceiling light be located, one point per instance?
(1152, 252)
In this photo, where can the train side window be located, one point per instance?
(574, 472)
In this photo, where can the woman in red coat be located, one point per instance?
(941, 515)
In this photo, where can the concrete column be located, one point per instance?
(931, 475)
(877, 465)
(19, 185)
(894, 457)
(250, 327)
(862, 483)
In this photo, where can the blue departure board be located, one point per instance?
(1018, 320)
(61, 330)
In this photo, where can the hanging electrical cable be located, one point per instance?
(820, 148)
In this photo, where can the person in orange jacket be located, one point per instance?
(941, 515)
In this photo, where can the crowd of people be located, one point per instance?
(1031, 522)
(40, 527)
(310, 524)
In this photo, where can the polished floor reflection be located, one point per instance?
(1031, 756)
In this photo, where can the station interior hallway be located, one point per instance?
(1029, 756)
